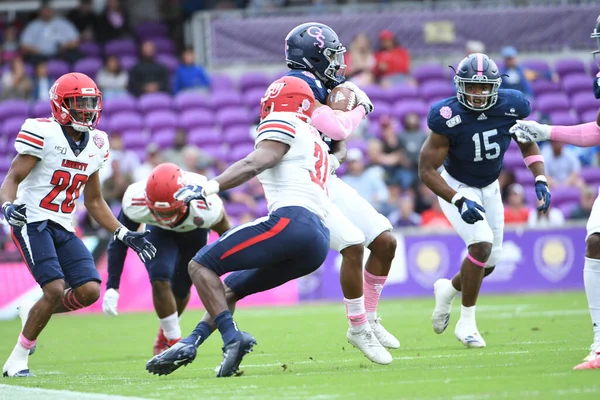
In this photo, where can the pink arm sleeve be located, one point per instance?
(337, 126)
(584, 135)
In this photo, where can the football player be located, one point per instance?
(470, 134)
(315, 54)
(584, 135)
(58, 159)
(291, 162)
(178, 229)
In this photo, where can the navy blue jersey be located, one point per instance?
(318, 88)
(478, 139)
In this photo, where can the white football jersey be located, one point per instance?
(51, 189)
(201, 214)
(299, 179)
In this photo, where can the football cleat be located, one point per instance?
(24, 373)
(443, 305)
(383, 336)
(162, 343)
(178, 355)
(24, 309)
(233, 354)
(15, 367)
(592, 360)
(468, 335)
(365, 340)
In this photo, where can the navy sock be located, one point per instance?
(199, 335)
(226, 326)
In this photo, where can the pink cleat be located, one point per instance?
(593, 364)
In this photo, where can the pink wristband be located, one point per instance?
(533, 159)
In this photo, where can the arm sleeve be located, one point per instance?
(30, 139)
(279, 130)
(338, 126)
(117, 252)
(584, 135)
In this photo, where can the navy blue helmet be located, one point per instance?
(596, 35)
(316, 48)
(477, 81)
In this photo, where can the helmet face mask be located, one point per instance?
(76, 101)
(477, 82)
(596, 35)
(84, 110)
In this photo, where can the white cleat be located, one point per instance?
(364, 339)
(443, 292)
(16, 367)
(468, 335)
(386, 339)
(594, 351)
(24, 309)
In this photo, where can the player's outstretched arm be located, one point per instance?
(433, 153)
(583, 135)
(535, 162)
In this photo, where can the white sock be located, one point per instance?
(591, 279)
(467, 314)
(170, 326)
(355, 311)
(20, 352)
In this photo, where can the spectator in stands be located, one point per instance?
(369, 182)
(128, 160)
(513, 76)
(405, 215)
(506, 179)
(15, 82)
(434, 217)
(175, 154)
(389, 154)
(562, 167)
(392, 60)
(586, 202)
(85, 20)
(516, 212)
(112, 79)
(424, 197)
(148, 76)
(153, 159)
(10, 43)
(360, 61)
(49, 36)
(113, 22)
(411, 141)
(554, 217)
(189, 76)
(115, 186)
(41, 83)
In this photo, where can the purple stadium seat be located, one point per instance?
(88, 66)
(192, 100)
(11, 127)
(194, 118)
(576, 83)
(380, 109)
(252, 97)
(374, 129)
(513, 160)
(569, 66)
(429, 72)
(231, 116)
(254, 80)
(151, 29)
(436, 89)
(126, 121)
(261, 209)
(562, 195)
(540, 66)
(549, 103)
(119, 104)
(56, 68)
(358, 144)
(375, 93)
(5, 164)
(104, 123)
(221, 83)
(121, 47)
(567, 208)
(563, 118)
(542, 86)
(128, 61)
(90, 49)
(402, 92)
(4, 146)
(203, 137)
(401, 108)
(218, 151)
(41, 109)
(236, 210)
(238, 135)
(134, 139)
(222, 99)
(13, 108)
(168, 61)
(525, 178)
(154, 101)
(590, 174)
(588, 116)
(164, 45)
(158, 120)
(585, 101)
(594, 70)
(239, 151)
(164, 138)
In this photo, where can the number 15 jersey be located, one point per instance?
(51, 189)
(299, 179)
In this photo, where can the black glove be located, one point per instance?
(14, 214)
(137, 241)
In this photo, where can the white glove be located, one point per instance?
(530, 131)
(334, 164)
(110, 302)
(361, 97)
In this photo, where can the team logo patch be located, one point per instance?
(98, 141)
(446, 112)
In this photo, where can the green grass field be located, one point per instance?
(533, 343)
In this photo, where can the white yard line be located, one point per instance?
(10, 392)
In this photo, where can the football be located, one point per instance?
(342, 99)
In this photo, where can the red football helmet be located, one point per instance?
(288, 94)
(76, 101)
(164, 181)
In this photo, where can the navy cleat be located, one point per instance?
(21, 374)
(178, 355)
(32, 350)
(233, 354)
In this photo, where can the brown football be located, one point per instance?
(342, 99)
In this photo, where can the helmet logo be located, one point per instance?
(305, 104)
(273, 91)
(53, 95)
(317, 33)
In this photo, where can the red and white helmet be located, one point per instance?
(76, 101)
(164, 181)
(288, 94)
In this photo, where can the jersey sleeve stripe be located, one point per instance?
(26, 137)
(280, 121)
(33, 134)
(273, 125)
(28, 144)
(275, 131)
